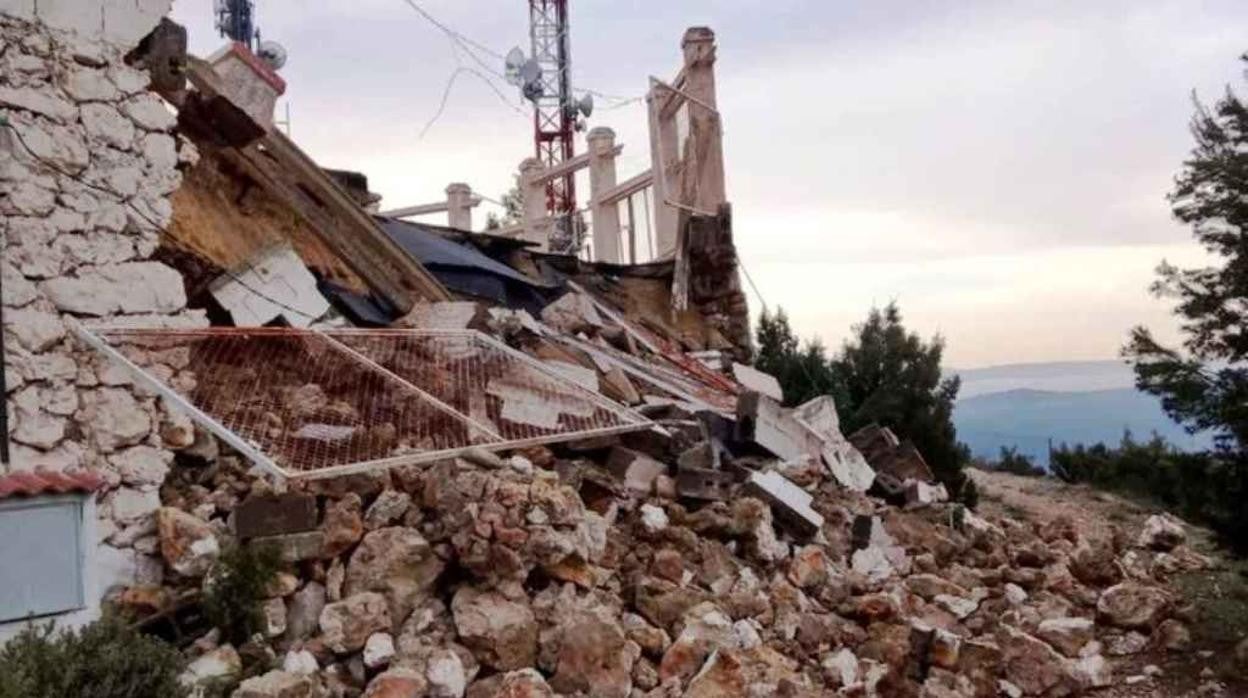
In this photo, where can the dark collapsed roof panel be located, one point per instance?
(462, 267)
(433, 249)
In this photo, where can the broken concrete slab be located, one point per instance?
(446, 315)
(275, 514)
(585, 377)
(702, 483)
(790, 502)
(273, 284)
(757, 381)
(636, 470)
(920, 493)
(887, 454)
(572, 313)
(765, 422)
(616, 385)
(846, 464)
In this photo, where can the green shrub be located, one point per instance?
(236, 587)
(1013, 462)
(105, 659)
(1205, 488)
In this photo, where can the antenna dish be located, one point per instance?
(530, 71)
(586, 105)
(512, 65)
(533, 91)
(273, 54)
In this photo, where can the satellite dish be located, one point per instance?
(586, 105)
(273, 54)
(533, 90)
(512, 65)
(530, 71)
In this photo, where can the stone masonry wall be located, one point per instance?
(73, 252)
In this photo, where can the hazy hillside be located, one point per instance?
(1028, 418)
(1057, 376)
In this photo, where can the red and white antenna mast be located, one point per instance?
(554, 109)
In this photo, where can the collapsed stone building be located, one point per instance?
(489, 470)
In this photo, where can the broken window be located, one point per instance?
(310, 403)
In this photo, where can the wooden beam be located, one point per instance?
(625, 189)
(567, 167)
(285, 171)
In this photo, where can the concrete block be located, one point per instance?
(765, 422)
(790, 502)
(636, 470)
(700, 483)
(293, 547)
(448, 315)
(759, 382)
(249, 83)
(270, 515)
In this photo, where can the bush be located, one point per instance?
(1013, 462)
(236, 587)
(105, 659)
(1205, 488)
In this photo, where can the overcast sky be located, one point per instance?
(998, 168)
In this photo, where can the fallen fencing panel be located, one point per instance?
(324, 403)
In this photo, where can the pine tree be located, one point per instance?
(1204, 386)
(893, 378)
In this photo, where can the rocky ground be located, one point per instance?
(540, 574)
(1218, 596)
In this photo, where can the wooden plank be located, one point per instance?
(625, 189)
(286, 172)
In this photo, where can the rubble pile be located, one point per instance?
(588, 568)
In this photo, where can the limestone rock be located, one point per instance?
(1029, 663)
(210, 667)
(149, 112)
(594, 657)
(35, 330)
(347, 624)
(187, 544)
(344, 525)
(721, 677)
(1068, 635)
(396, 683)
(388, 508)
(142, 465)
(277, 684)
(114, 419)
(1161, 533)
(397, 562)
(129, 287)
(445, 674)
(304, 613)
(1132, 605)
(104, 124)
(378, 650)
(501, 633)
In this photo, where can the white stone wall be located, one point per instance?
(71, 252)
(120, 22)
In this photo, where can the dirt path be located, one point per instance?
(1218, 598)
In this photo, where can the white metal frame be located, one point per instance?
(632, 420)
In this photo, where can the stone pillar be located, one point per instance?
(606, 216)
(459, 206)
(533, 192)
(703, 177)
(663, 161)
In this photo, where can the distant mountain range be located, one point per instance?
(1029, 406)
